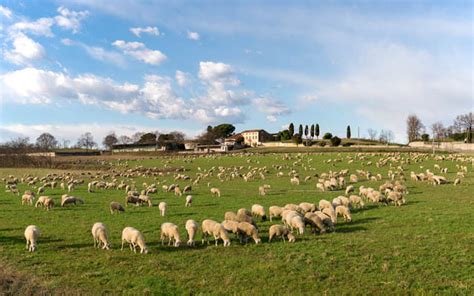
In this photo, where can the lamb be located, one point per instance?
(134, 238)
(307, 207)
(344, 212)
(162, 207)
(215, 192)
(259, 211)
(28, 198)
(281, 231)
(211, 227)
(323, 204)
(100, 236)
(171, 232)
(315, 221)
(189, 201)
(192, 228)
(32, 233)
(356, 201)
(275, 211)
(248, 230)
(71, 200)
(116, 207)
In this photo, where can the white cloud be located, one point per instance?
(41, 27)
(69, 19)
(181, 78)
(150, 30)
(271, 118)
(98, 53)
(193, 35)
(140, 52)
(271, 107)
(24, 51)
(217, 73)
(6, 12)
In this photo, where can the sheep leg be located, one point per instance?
(122, 245)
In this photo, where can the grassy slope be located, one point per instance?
(425, 246)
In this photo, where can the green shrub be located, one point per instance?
(327, 136)
(335, 141)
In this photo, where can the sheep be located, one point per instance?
(134, 238)
(320, 186)
(230, 216)
(396, 197)
(40, 190)
(211, 227)
(356, 201)
(336, 202)
(116, 207)
(315, 221)
(344, 201)
(353, 178)
(187, 189)
(71, 200)
(297, 222)
(216, 192)
(259, 211)
(177, 191)
(49, 204)
(457, 181)
(326, 220)
(171, 232)
(275, 211)
(243, 211)
(331, 214)
(189, 201)
(99, 234)
(248, 230)
(145, 199)
(231, 226)
(162, 207)
(344, 212)
(70, 187)
(32, 233)
(262, 191)
(281, 231)
(323, 204)
(292, 207)
(192, 228)
(307, 207)
(132, 199)
(27, 199)
(295, 181)
(350, 189)
(45, 201)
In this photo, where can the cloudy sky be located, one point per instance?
(73, 66)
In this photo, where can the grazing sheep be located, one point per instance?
(350, 189)
(243, 211)
(215, 192)
(71, 200)
(248, 230)
(307, 207)
(116, 207)
(177, 191)
(320, 186)
(45, 201)
(326, 220)
(315, 221)
(49, 204)
(323, 204)
(336, 202)
(162, 207)
(344, 212)
(211, 227)
(331, 214)
(70, 187)
(231, 226)
(40, 190)
(280, 231)
(99, 233)
(353, 178)
(32, 233)
(27, 199)
(292, 207)
(356, 201)
(187, 189)
(134, 238)
(295, 181)
(230, 216)
(296, 221)
(259, 211)
(275, 211)
(192, 228)
(145, 199)
(171, 232)
(189, 201)
(396, 197)
(457, 181)
(132, 199)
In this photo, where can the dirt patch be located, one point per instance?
(14, 283)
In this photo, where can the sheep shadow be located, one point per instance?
(350, 229)
(363, 220)
(73, 246)
(12, 240)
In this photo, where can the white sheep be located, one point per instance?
(100, 236)
(259, 211)
(116, 207)
(189, 201)
(134, 238)
(281, 231)
(248, 230)
(323, 204)
(356, 201)
(295, 181)
(162, 207)
(296, 221)
(32, 233)
(231, 226)
(171, 232)
(71, 200)
(27, 199)
(211, 227)
(331, 214)
(344, 212)
(46, 202)
(275, 211)
(307, 207)
(315, 221)
(192, 228)
(350, 189)
(216, 192)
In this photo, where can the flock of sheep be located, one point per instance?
(321, 217)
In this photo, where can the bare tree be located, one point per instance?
(372, 134)
(464, 122)
(87, 141)
(46, 141)
(110, 140)
(438, 130)
(414, 127)
(124, 140)
(177, 136)
(137, 136)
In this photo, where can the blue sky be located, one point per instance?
(73, 66)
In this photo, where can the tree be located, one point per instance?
(124, 140)
(284, 135)
(312, 131)
(87, 141)
(208, 137)
(297, 139)
(136, 136)
(372, 134)
(148, 138)
(223, 130)
(438, 130)
(316, 131)
(414, 127)
(178, 137)
(306, 131)
(46, 141)
(348, 132)
(425, 137)
(464, 123)
(300, 130)
(291, 129)
(110, 140)
(327, 136)
(335, 141)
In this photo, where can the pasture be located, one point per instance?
(423, 247)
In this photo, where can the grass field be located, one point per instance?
(423, 247)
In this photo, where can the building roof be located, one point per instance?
(233, 137)
(253, 131)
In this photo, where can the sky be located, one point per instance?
(75, 66)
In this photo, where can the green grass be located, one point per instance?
(423, 247)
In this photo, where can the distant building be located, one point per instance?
(135, 147)
(256, 137)
(234, 142)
